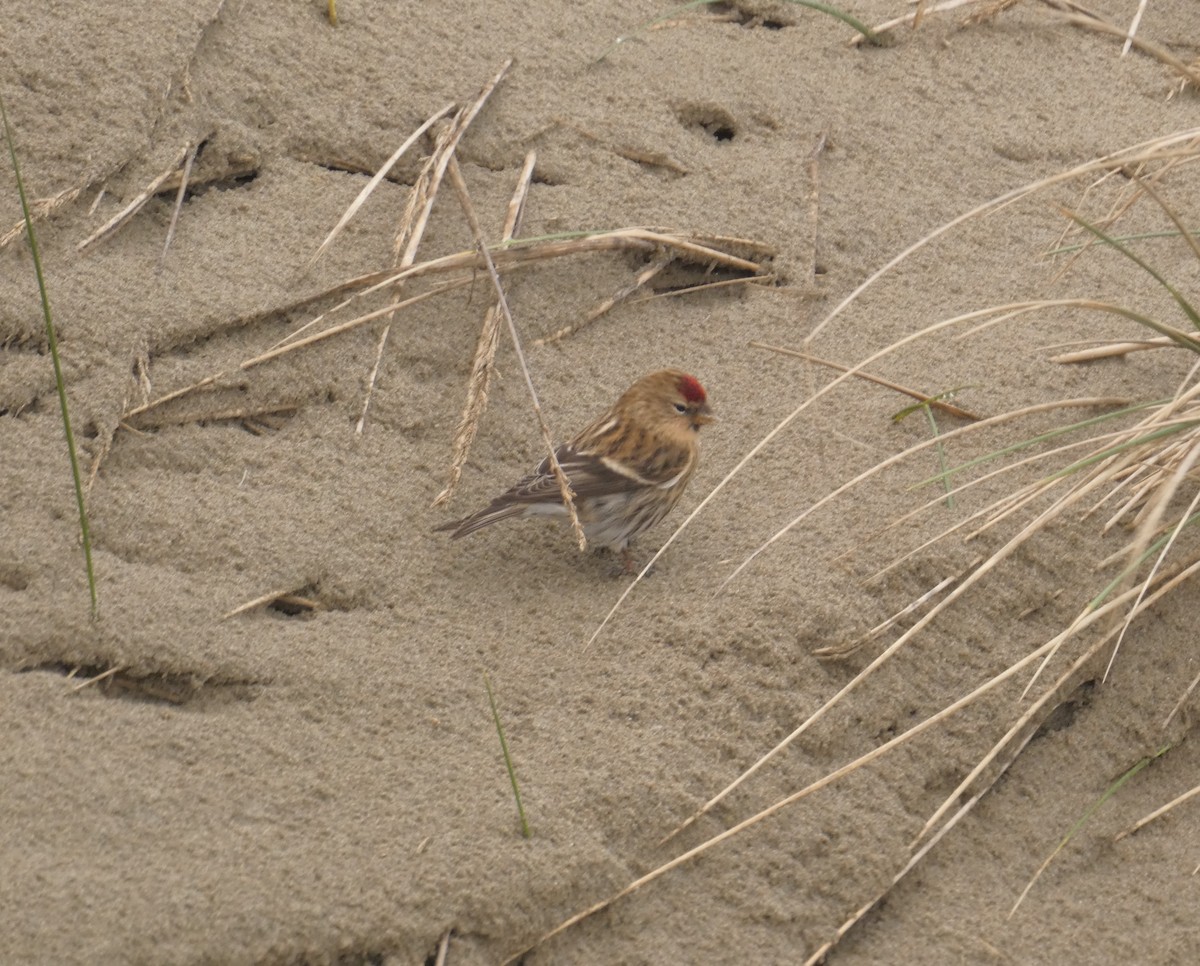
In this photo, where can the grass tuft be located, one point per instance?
(52, 339)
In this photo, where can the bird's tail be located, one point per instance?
(480, 519)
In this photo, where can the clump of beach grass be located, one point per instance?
(1137, 456)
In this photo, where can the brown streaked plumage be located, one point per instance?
(628, 468)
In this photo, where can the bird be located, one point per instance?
(627, 468)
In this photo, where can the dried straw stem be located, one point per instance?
(136, 204)
(379, 175)
(564, 485)
(42, 208)
(421, 201)
(483, 363)
(945, 407)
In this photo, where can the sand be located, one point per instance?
(297, 786)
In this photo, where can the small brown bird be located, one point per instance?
(628, 468)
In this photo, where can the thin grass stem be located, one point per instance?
(512, 773)
(59, 382)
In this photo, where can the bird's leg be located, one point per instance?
(629, 565)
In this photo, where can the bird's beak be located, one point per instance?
(703, 416)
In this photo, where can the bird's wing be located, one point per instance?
(590, 475)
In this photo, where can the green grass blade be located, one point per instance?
(1103, 454)
(1177, 336)
(1088, 813)
(58, 373)
(512, 774)
(1140, 236)
(1132, 567)
(943, 461)
(941, 455)
(1041, 438)
(1183, 303)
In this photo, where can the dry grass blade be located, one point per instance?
(135, 206)
(1164, 493)
(816, 786)
(329, 333)
(485, 349)
(1187, 234)
(1007, 310)
(445, 154)
(824, 949)
(1093, 21)
(1112, 350)
(1182, 700)
(420, 205)
(267, 598)
(1157, 813)
(180, 194)
(564, 485)
(987, 687)
(974, 577)
(699, 249)
(913, 18)
(280, 350)
(997, 314)
(1081, 821)
(644, 277)
(838, 652)
(443, 949)
(514, 256)
(1041, 707)
(1155, 149)
(705, 287)
(102, 676)
(376, 179)
(992, 512)
(42, 208)
(938, 404)
(1133, 26)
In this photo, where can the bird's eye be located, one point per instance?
(680, 408)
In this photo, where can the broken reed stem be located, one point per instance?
(1157, 813)
(266, 598)
(179, 196)
(287, 347)
(379, 175)
(447, 143)
(878, 380)
(1112, 349)
(483, 362)
(515, 255)
(134, 206)
(564, 485)
(39, 209)
(643, 277)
